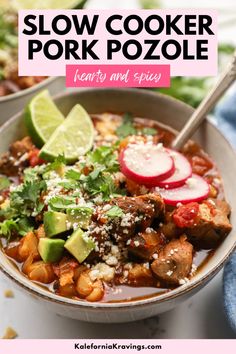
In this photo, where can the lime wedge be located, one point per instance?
(48, 4)
(42, 117)
(73, 138)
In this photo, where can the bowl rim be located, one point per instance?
(29, 90)
(187, 288)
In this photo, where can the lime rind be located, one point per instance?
(42, 117)
(73, 138)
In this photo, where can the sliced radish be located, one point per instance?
(194, 190)
(183, 171)
(146, 164)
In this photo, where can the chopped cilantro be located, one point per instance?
(73, 174)
(71, 180)
(99, 182)
(148, 131)
(94, 174)
(53, 166)
(69, 184)
(24, 225)
(115, 212)
(104, 156)
(58, 165)
(7, 227)
(69, 204)
(126, 128)
(62, 202)
(4, 182)
(26, 198)
(18, 226)
(34, 174)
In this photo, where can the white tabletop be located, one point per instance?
(202, 316)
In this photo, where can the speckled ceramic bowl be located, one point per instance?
(168, 111)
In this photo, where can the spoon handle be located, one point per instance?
(225, 81)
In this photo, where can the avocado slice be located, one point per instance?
(55, 223)
(80, 216)
(51, 249)
(79, 245)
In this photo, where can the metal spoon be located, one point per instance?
(225, 81)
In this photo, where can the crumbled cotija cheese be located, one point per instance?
(106, 207)
(94, 274)
(125, 221)
(149, 230)
(103, 271)
(115, 251)
(112, 261)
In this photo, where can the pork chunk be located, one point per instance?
(174, 261)
(20, 147)
(211, 224)
(206, 228)
(12, 162)
(145, 244)
(138, 274)
(139, 214)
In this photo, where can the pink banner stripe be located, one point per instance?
(103, 346)
(118, 75)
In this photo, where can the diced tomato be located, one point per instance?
(186, 215)
(211, 207)
(5, 193)
(34, 158)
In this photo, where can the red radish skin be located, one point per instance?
(146, 164)
(183, 171)
(195, 189)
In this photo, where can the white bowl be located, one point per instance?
(168, 111)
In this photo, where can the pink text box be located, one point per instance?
(117, 76)
(40, 65)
